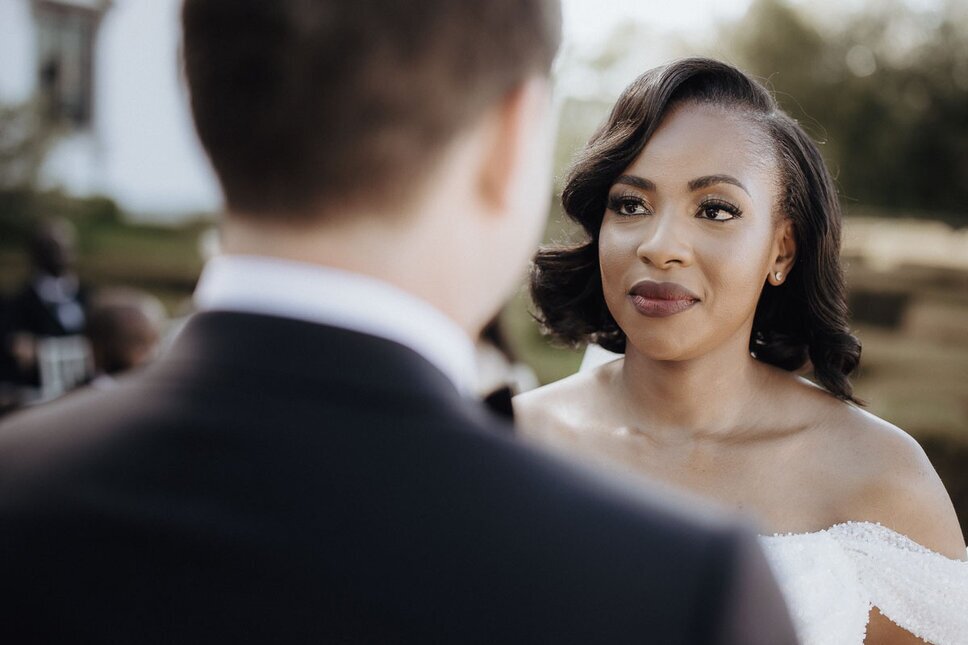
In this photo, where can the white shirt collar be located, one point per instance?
(328, 296)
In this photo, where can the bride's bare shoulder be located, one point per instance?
(563, 404)
(887, 478)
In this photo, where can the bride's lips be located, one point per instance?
(661, 299)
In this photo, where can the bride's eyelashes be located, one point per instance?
(628, 205)
(712, 208)
(718, 210)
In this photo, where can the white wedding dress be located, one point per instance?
(832, 578)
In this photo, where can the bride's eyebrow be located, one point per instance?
(638, 182)
(711, 180)
(696, 184)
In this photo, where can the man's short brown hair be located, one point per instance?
(303, 104)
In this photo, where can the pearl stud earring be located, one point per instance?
(778, 275)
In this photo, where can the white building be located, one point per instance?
(109, 68)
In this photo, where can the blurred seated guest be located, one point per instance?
(51, 304)
(124, 327)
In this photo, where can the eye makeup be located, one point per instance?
(628, 204)
(712, 209)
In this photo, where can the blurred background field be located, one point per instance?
(882, 84)
(162, 259)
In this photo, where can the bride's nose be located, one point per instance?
(666, 242)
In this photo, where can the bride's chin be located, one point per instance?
(660, 350)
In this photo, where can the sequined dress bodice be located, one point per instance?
(832, 578)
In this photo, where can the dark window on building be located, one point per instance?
(65, 53)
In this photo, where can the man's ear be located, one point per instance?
(519, 112)
(784, 252)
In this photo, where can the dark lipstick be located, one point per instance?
(661, 299)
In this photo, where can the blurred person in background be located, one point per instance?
(712, 262)
(500, 374)
(52, 304)
(124, 328)
(308, 463)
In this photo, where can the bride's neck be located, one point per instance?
(703, 396)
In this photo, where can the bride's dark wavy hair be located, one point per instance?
(805, 319)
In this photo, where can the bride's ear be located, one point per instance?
(522, 112)
(784, 252)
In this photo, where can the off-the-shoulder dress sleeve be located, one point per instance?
(832, 578)
(924, 592)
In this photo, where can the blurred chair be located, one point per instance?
(64, 362)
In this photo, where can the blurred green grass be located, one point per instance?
(163, 261)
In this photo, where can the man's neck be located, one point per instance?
(332, 297)
(405, 256)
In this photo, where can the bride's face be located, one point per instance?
(690, 235)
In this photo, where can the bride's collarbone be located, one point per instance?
(588, 404)
(788, 477)
(815, 463)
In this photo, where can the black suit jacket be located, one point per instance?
(278, 481)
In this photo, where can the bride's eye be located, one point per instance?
(718, 211)
(627, 205)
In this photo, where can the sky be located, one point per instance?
(588, 22)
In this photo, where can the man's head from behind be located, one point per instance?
(420, 127)
(306, 105)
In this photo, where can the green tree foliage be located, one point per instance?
(28, 133)
(885, 89)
